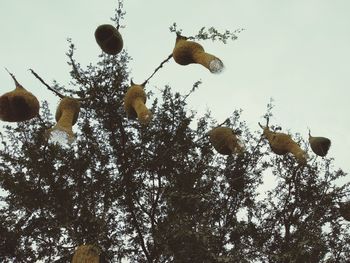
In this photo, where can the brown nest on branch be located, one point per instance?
(134, 104)
(187, 52)
(109, 39)
(282, 144)
(66, 116)
(225, 141)
(18, 105)
(319, 145)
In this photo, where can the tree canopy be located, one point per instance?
(160, 192)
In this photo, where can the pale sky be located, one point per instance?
(296, 52)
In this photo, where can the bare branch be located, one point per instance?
(14, 78)
(159, 67)
(43, 82)
(194, 87)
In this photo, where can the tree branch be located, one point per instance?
(129, 197)
(43, 82)
(158, 68)
(14, 78)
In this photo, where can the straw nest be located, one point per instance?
(282, 144)
(71, 107)
(225, 141)
(187, 52)
(109, 39)
(134, 104)
(18, 105)
(319, 145)
(86, 254)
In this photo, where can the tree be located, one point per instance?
(160, 192)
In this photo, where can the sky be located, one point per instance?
(296, 52)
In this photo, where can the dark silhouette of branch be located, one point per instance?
(209, 33)
(13, 77)
(119, 14)
(129, 196)
(194, 87)
(52, 89)
(158, 68)
(43, 82)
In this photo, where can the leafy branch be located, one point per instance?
(210, 33)
(119, 14)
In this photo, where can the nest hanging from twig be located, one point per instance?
(109, 39)
(66, 116)
(134, 104)
(187, 52)
(282, 144)
(225, 141)
(319, 145)
(18, 105)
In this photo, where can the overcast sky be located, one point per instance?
(296, 52)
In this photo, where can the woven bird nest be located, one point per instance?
(282, 144)
(225, 141)
(319, 145)
(86, 254)
(109, 39)
(66, 116)
(70, 107)
(18, 105)
(134, 104)
(187, 52)
(279, 142)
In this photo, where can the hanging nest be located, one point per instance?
(225, 141)
(282, 144)
(109, 39)
(319, 145)
(134, 104)
(66, 116)
(187, 52)
(18, 105)
(68, 107)
(344, 210)
(86, 254)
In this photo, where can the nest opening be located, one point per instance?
(216, 66)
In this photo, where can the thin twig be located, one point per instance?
(119, 13)
(43, 82)
(194, 87)
(159, 67)
(75, 69)
(53, 90)
(14, 78)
